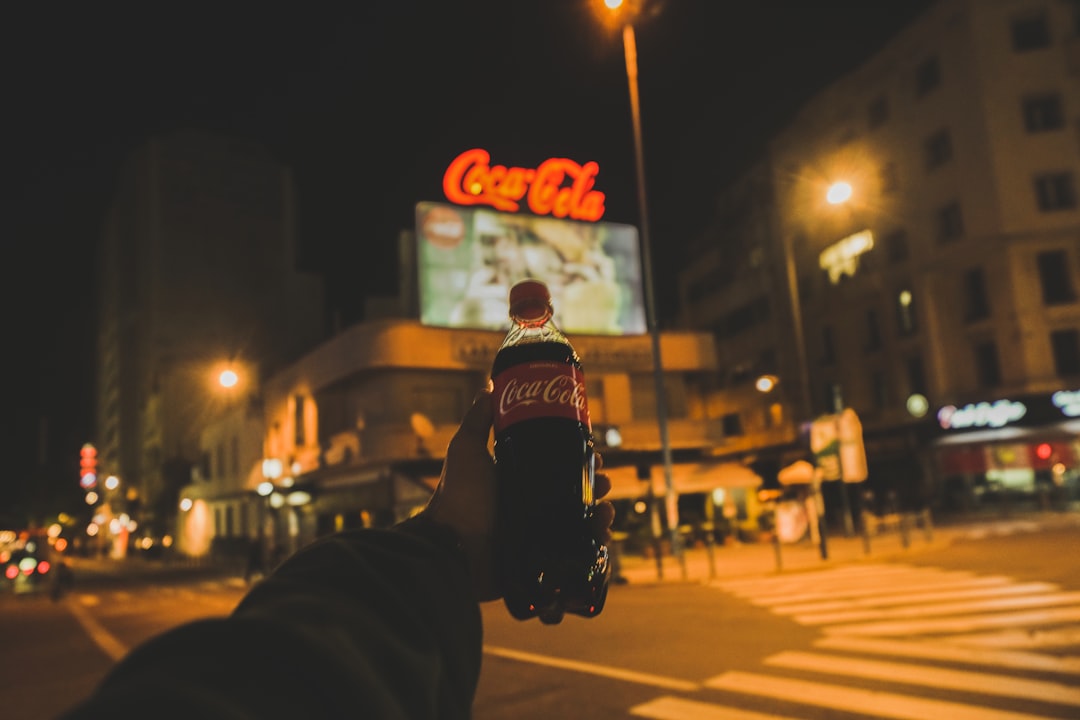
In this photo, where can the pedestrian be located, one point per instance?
(256, 561)
(363, 623)
(62, 581)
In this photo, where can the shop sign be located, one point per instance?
(981, 415)
(1067, 401)
(558, 187)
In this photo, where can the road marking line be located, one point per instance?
(673, 708)
(89, 600)
(1019, 638)
(931, 677)
(954, 653)
(857, 576)
(811, 576)
(953, 608)
(917, 597)
(104, 639)
(915, 584)
(593, 669)
(960, 624)
(867, 702)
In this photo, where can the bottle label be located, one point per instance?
(540, 389)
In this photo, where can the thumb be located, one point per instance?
(478, 419)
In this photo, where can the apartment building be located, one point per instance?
(941, 281)
(196, 274)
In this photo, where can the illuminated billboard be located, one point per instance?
(467, 259)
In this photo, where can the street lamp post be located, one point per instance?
(630, 51)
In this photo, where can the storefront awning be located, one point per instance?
(686, 478)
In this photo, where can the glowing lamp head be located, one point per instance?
(613, 4)
(838, 193)
(185, 504)
(228, 378)
(765, 383)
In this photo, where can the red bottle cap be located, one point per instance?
(530, 300)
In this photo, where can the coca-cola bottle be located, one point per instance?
(548, 560)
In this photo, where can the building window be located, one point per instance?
(937, 149)
(217, 521)
(230, 530)
(1055, 191)
(906, 320)
(828, 349)
(299, 438)
(987, 365)
(732, 425)
(879, 387)
(1057, 287)
(916, 375)
(873, 331)
(896, 246)
(927, 76)
(1030, 32)
(977, 303)
(834, 397)
(950, 223)
(1065, 345)
(890, 178)
(235, 456)
(219, 461)
(1043, 113)
(877, 112)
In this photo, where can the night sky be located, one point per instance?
(368, 105)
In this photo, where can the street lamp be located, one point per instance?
(630, 51)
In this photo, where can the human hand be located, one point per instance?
(465, 498)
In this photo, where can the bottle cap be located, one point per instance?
(530, 300)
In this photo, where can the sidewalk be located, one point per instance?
(749, 559)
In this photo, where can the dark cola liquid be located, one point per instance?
(549, 563)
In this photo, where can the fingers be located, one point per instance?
(601, 485)
(603, 516)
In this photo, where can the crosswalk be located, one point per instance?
(902, 642)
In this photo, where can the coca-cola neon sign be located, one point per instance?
(558, 187)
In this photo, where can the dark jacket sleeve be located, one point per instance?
(363, 624)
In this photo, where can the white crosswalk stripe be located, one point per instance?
(932, 643)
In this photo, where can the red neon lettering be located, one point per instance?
(472, 180)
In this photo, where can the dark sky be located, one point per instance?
(368, 105)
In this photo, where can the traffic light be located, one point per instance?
(88, 466)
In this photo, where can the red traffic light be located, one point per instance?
(1044, 451)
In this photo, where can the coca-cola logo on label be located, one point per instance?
(559, 390)
(537, 390)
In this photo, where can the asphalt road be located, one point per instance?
(986, 628)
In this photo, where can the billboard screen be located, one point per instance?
(467, 259)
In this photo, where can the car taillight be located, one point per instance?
(11, 571)
(43, 567)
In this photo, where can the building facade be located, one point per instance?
(947, 278)
(355, 431)
(197, 273)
